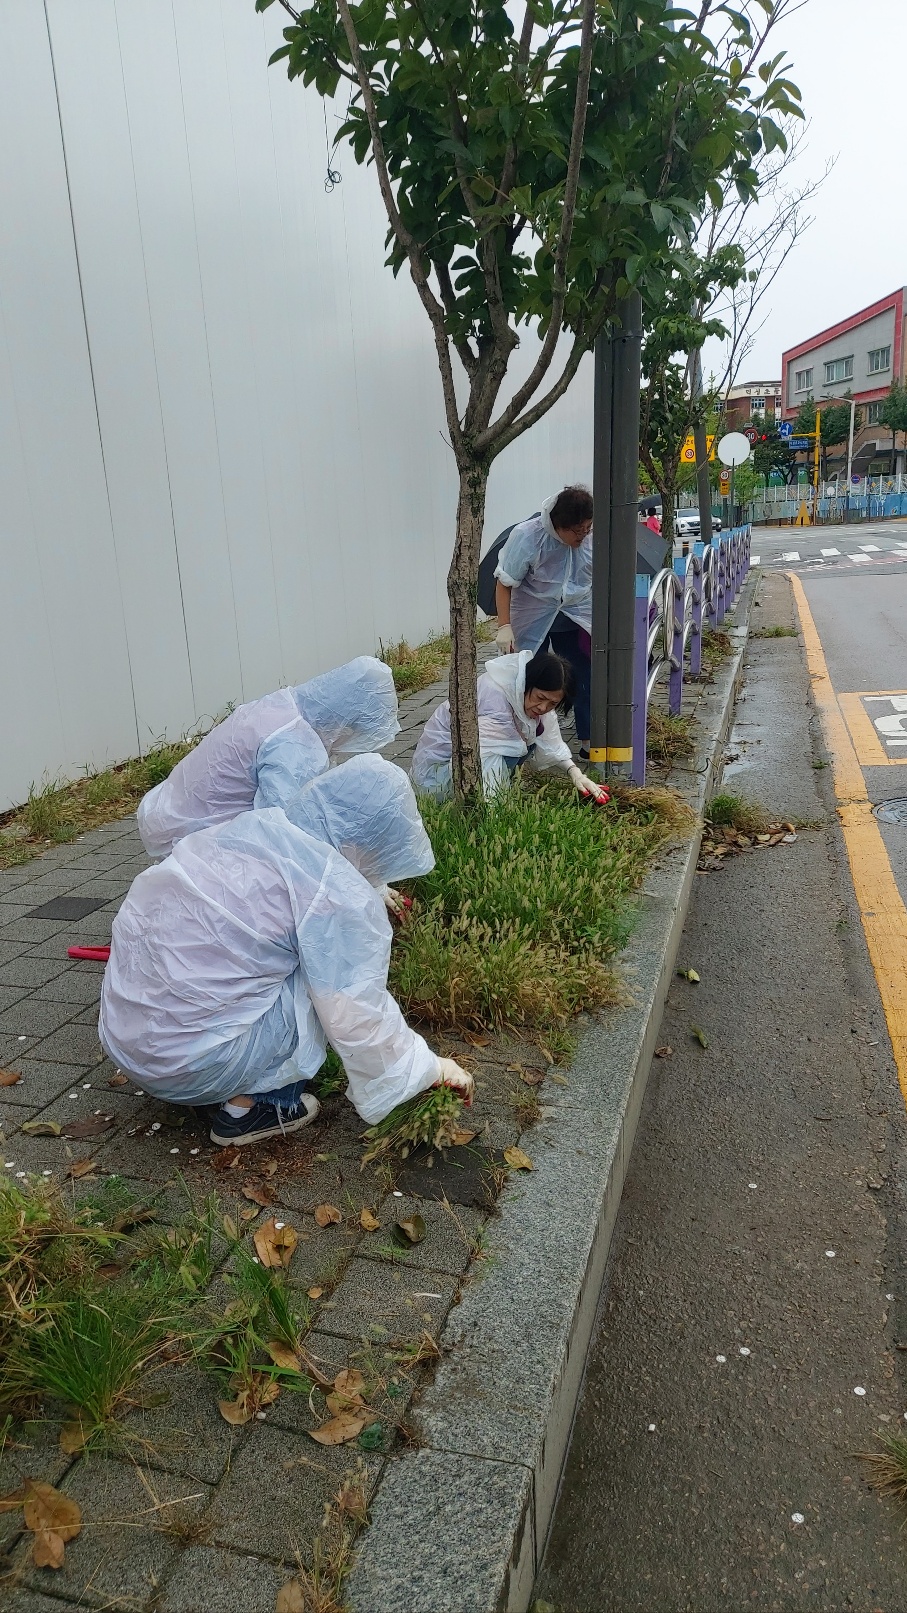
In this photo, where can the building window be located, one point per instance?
(758, 405)
(839, 369)
(803, 380)
(879, 359)
(873, 411)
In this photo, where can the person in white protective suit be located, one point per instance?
(269, 747)
(518, 698)
(255, 943)
(543, 591)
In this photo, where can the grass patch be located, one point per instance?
(887, 1467)
(668, 739)
(774, 632)
(529, 900)
(717, 647)
(415, 666)
(60, 812)
(734, 812)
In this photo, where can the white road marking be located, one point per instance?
(755, 559)
(794, 555)
(869, 548)
(830, 551)
(858, 558)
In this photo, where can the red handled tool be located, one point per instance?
(93, 954)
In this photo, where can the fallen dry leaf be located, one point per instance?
(664, 1052)
(349, 1383)
(339, 1430)
(462, 1136)
(269, 1168)
(73, 1437)
(368, 1221)
(237, 1412)
(53, 1519)
(258, 1193)
(314, 1293)
(282, 1355)
(108, 1272)
(42, 1128)
(248, 1214)
(412, 1230)
(532, 1078)
(95, 1127)
(82, 1167)
(517, 1160)
(9, 1078)
(13, 1501)
(476, 1040)
(327, 1215)
(291, 1598)
(314, 1372)
(260, 1392)
(274, 1244)
(118, 1081)
(226, 1159)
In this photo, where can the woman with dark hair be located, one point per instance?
(544, 590)
(518, 698)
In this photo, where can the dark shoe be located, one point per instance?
(583, 754)
(263, 1121)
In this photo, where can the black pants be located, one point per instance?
(567, 644)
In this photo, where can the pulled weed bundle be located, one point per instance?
(433, 1117)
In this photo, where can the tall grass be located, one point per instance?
(528, 902)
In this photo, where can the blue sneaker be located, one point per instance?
(281, 1112)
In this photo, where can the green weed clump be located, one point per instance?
(59, 812)
(433, 1118)
(727, 811)
(530, 898)
(415, 666)
(668, 738)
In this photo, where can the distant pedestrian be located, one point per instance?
(544, 590)
(653, 519)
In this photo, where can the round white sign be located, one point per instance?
(733, 449)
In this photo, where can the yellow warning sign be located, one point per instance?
(803, 515)
(688, 451)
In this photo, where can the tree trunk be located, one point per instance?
(668, 518)
(462, 583)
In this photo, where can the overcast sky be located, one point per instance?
(848, 58)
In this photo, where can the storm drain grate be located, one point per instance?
(892, 811)
(69, 907)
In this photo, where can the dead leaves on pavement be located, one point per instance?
(720, 842)
(53, 1518)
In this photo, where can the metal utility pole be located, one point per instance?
(702, 455)
(615, 492)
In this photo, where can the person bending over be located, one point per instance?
(518, 699)
(236, 960)
(269, 747)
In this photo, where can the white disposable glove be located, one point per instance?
(393, 901)
(504, 639)
(588, 786)
(450, 1075)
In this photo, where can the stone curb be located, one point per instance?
(461, 1523)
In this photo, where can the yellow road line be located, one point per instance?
(882, 911)
(870, 751)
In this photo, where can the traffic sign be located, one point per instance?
(798, 444)
(751, 435)
(786, 430)
(856, 480)
(724, 482)
(688, 451)
(733, 449)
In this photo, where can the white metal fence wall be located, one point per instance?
(222, 456)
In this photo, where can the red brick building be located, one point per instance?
(859, 357)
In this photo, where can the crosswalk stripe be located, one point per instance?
(869, 548)
(830, 551)
(794, 555)
(857, 558)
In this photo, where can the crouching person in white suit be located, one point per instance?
(519, 697)
(269, 747)
(255, 943)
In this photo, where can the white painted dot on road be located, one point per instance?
(744, 1350)
(857, 558)
(859, 1390)
(830, 1254)
(870, 548)
(829, 551)
(797, 1517)
(793, 555)
(721, 1359)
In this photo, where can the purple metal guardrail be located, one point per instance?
(672, 609)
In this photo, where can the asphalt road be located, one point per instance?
(751, 1337)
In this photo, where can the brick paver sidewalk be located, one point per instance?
(250, 1499)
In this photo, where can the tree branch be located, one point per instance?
(530, 386)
